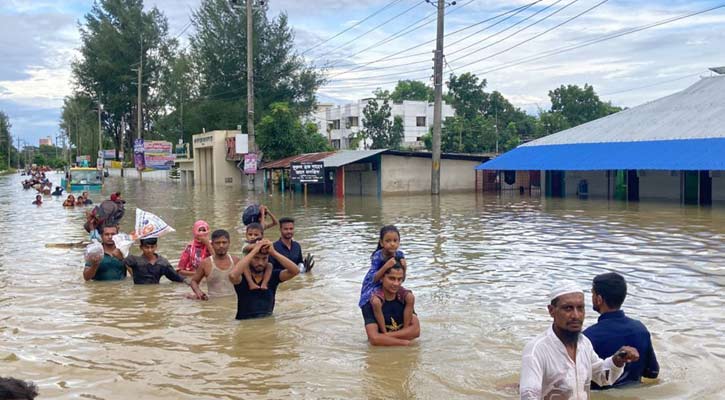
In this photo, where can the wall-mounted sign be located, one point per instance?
(203, 140)
(307, 172)
(250, 164)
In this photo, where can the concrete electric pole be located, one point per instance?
(435, 178)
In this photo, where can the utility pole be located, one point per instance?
(17, 154)
(435, 179)
(250, 84)
(138, 110)
(100, 134)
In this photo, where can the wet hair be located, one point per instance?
(383, 231)
(286, 220)
(219, 233)
(398, 267)
(255, 226)
(149, 241)
(612, 287)
(12, 388)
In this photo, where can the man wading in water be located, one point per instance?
(560, 363)
(260, 303)
(393, 309)
(215, 269)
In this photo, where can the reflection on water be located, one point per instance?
(480, 267)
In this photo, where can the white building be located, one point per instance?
(341, 122)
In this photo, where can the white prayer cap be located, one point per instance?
(564, 287)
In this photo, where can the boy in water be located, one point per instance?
(255, 233)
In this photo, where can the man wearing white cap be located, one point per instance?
(560, 363)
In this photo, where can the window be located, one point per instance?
(336, 144)
(335, 124)
(419, 121)
(352, 121)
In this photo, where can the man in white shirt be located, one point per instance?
(560, 363)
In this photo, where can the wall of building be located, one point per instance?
(718, 186)
(659, 185)
(596, 180)
(402, 174)
(210, 164)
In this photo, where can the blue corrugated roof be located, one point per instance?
(690, 154)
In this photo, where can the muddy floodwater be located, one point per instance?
(480, 267)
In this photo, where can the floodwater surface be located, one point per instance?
(480, 267)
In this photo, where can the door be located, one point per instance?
(705, 188)
(620, 185)
(691, 188)
(555, 184)
(632, 185)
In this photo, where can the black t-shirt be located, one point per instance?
(256, 303)
(146, 273)
(392, 314)
(294, 253)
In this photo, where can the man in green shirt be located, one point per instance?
(110, 267)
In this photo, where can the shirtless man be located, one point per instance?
(215, 269)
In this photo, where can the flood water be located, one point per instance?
(480, 267)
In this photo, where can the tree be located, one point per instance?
(397, 133)
(578, 105)
(219, 54)
(377, 124)
(6, 141)
(115, 37)
(79, 122)
(467, 95)
(411, 90)
(280, 134)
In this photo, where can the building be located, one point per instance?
(48, 141)
(377, 172)
(339, 123)
(672, 148)
(216, 160)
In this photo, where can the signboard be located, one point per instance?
(138, 154)
(80, 159)
(203, 140)
(250, 164)
(241, 141)
(111, 154)
(157, 155)
(307, 172)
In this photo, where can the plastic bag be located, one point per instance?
(150, 226)
(123, 242)
(251, 214)
(147, 226)
(93, 252)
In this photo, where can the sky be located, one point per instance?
(518, 53)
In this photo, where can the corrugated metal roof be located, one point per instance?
(697, 112)
(285, 162)
(692, 154)
(345, 157)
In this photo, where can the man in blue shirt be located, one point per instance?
(286, 246)
(614, 330)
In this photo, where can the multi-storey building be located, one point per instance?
(341, 123)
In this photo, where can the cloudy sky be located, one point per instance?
(520, 53)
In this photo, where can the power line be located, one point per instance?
(372, 29)
(392, 3)
(391, 57)
(531, 38)
(491, 36)
(557, 51)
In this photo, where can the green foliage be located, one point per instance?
(411, 90)
(79, 121)
(219, 55)
(468, 135)
(115, 36)
(280, 134)
(579, 105)
(6, 141)
(397, 133)
(377, 125)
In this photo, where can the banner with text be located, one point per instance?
(158, 155)
(307, 172)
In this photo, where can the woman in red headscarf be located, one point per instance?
(197, 250)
